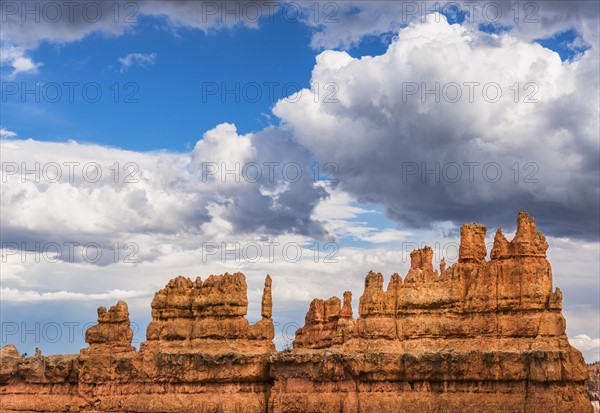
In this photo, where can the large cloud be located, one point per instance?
(159, 194)
(385, 132)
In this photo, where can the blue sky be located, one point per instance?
(166, 98)
(196, 81)
(163, 107)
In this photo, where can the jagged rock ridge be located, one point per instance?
(478, 336)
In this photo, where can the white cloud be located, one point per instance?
(387, 235)
(164, 194)
(137, 59)
(5, 133)
(336, 24)
(339, 206)
(17, 59)
(163, 255)
(590, 347)
(346, 218)
(14, 295)
(208, 16)
(376, 127)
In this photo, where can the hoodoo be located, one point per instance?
(478, 336)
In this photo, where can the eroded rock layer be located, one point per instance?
(478, 336)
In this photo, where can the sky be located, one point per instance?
(312, 141)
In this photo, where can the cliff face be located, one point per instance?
(479, 336)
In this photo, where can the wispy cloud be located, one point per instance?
(140, 59)
(12, 294)
(17, 59)
(5, 133)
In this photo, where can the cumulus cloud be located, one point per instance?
(336, 24)
(434, 130)
(28, 23)
(137, 59)
(180, 246)
(209, 16)
(590, 347)
(347, 219)
(100, 194)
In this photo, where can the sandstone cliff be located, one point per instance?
(478, 336)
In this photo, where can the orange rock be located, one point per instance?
(326, 323)
(442, 266)
(472, 243)
(267, 299)
(528, 242)
(421, 265)
(113, 327)
(346, 311)
(501, 248)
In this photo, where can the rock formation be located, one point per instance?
(478, 336)
(482, 336)
(201, 355)
(113, 330)
(208, 314)
(327, 323)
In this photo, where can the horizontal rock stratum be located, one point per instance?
(479, 336)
